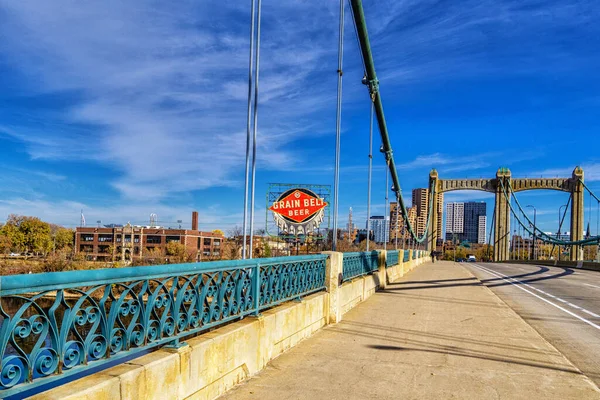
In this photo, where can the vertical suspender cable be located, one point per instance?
(396, 230)
(386, 222)
(370, 172)
(336, 174)
(256, 74)
(248, 128)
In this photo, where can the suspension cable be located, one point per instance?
(549, 239)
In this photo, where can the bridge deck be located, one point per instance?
(437, 333)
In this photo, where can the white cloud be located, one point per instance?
(161, 88)
(67, 213)
(158, 90)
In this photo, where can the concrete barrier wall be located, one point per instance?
(589, 265)
(402, 268)
(210, 364)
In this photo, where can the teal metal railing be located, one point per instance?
(359, 263)
(61, 324)
(392, 258)
(406, 256)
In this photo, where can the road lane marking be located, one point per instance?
(546, 294)
(587, 284)
(510, 280)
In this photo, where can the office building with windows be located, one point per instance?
(381, 228)
(466, 222)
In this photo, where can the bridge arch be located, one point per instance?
(497, 185)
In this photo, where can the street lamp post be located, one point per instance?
(534, 232)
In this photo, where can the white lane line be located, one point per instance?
(510, 280)
(547, 294)
(587, 284)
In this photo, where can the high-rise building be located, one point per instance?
(420, 200)
(482, 228)
(466, 222)
(455, 216)
(380, 227)
(474, 210)
(397, 224)
(417, 215)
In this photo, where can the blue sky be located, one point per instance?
(127, 108)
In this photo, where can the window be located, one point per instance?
(207, 241)
(136, 250)
(127, 238)
(216, 242)
(105, 238)
(118, 238)
(154, 239)
(87, 237)
(86, 248)
(136, 239)
(173, 239)
(103, 249)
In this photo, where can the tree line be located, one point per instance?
(32, 236)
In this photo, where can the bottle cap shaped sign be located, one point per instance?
(298, 211)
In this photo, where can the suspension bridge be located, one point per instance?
(379, 324)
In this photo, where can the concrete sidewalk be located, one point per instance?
(424, 337)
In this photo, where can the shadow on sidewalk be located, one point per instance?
(528, 277)
(449, 338)
(440, 299)
(433, 281)
(481, 357)
(427, 347)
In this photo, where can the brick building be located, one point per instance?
(135, 242)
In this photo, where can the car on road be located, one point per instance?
(471, 259)
(14, 254)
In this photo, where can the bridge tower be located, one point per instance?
(432, 232)
(577, 218)
(502, 216)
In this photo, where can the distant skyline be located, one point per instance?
(124, 109)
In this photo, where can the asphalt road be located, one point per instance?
(562, 304)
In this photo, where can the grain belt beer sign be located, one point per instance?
(298, 211)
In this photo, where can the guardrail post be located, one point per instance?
(333, 281)
(382, 260)
(256, 289)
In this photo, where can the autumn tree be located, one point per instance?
(28, 233)
(483, 252)
(178, 253)
(11, 238)
(64, 238)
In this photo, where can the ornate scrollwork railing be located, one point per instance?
(359, 263)
(391, 258)
(59, 324)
